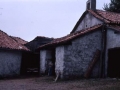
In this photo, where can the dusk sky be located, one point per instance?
(51, 18)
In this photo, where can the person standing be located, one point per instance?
(50, 68)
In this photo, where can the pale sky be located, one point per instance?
(51, 18)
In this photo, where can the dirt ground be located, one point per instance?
(47, 83)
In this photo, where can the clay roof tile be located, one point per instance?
(8, 42)
(70, 37)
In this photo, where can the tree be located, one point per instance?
(113, 6)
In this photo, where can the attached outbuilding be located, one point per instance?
(31, 60)
(11, 49)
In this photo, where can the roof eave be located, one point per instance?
(68, 40)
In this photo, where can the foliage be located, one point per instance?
(113, 6)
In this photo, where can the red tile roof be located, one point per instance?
(7, 42)
(115, 27)
(70, 37)
(37, 42)
(105, 16)
(19, 40)
(108, 17)
(43, 37)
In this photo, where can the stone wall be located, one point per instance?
(45, 56)
(79, 54)
(88, 21)
(10, 62)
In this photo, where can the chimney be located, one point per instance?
(91, 4)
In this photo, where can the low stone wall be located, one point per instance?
(10, 62)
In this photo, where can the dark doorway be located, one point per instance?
(51, 63)
(30, 64)
(114, 63)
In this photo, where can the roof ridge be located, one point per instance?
(3, 32)
(97, 15)
(102, 16)
(107, 11)
(41, 37)
(13, 37)
(106, 16)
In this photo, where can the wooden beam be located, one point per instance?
(92, 64)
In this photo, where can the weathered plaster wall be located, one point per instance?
(45, 56)
(10, 62)
(113, 41)
(59, 64)
(42, 61)
(78, 55)
(88, 21)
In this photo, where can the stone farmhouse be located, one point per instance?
(90, 50)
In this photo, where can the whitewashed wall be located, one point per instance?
(45, 56)
(88, 21)
(59, 64)
(10, 63)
